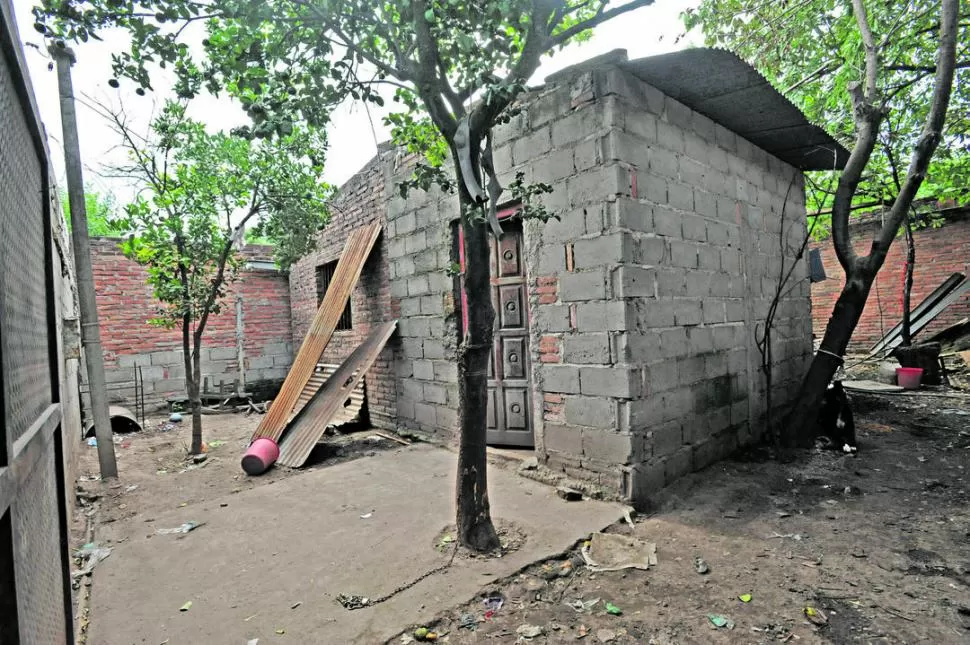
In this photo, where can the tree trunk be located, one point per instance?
(801, 425)
(907, 338)
(193, 374)
(475, 529)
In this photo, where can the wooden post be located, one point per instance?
(240, 349)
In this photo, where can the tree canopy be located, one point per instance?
(813, 52)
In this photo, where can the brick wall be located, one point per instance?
(125, 304)
(360, 201)
(940, 252)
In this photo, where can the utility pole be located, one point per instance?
(90, 332)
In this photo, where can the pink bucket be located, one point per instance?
(261, 454)
(909, 377)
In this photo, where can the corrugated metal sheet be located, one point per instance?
(351, 263)
(352, 407)
(310, 424)
(729, 91)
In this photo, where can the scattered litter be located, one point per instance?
(424, 634)
(745, 597)
(352, 602)
(569, 494)
(93, 441)
(614, 552)
(187, 606)
(783, 514)
(468, 621)
(217, 443)
(131, 488)
(859, 552)
(847, 449)
(246, 620)
(791, 536)
(493, 603)
(198, 459)
(551, 571)
(605, 635)
(296, 604)
(582, 631)
(92, 555)
(530, 631)
(367, 516)
(815, 616)
(718, 621)
(701, 566)
(89, 478)
(184, 528)
(280, 631)
(252, 641)
(613, 610)
(532, 463)
(583, 606)
(175, 417)
(406, 639)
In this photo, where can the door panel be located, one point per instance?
(513, 358)
(511, 302)
(516, 410)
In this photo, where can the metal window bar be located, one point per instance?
(324, 277)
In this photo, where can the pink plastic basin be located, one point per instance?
(261, 454)
(909, 377)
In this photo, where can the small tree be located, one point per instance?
(102, 212)
(198, 194)
(458, 68)
(863, 69)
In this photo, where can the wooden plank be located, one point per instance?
(310, 424)
(358, 247)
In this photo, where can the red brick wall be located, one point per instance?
(125, 304)
(359, 201)
(939, 253)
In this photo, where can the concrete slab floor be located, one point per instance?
(302, 540)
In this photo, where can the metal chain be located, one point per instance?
(350, 602)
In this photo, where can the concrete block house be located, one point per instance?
(625, 347)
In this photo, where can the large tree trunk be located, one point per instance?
(801, 426)
(907, 338)
(475, 529)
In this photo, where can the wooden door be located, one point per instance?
(509, 407)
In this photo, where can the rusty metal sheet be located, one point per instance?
(352, 407)
(359, 245)
(310, 424)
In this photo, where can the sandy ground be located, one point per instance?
(879, 542)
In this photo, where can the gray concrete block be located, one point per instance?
(700, 340)
(597, 184)
(587, 348)
(634, 282)
(554, 167)
(642, 124)
(585, 285)
(222, 353)
(410, 307)
(652, 188)
(725, 138)
(670, 137)
(692, 172)
(714, 449)
(663, 162)
(399, 288)
(552, 318)
(418, 285)
(678, 404)
(170, 386)
(562, 379)
(435, 349)
(434, 393)
(613, 248)
(727, 208)
(626, 213)
(694, 229)
(594, 412)
(134, 360)
(677, 113)
(578, 125)
(412, 347)
(413, 328)
(664, 439)
(678, 464)
(552, 259)
(605, 316)
(683, 254)
(260, 362)
(708, 258)
(671, 282)
(445, 372)
(426, 414)
(673, 342)
(167, 358)
(680, 195)
(423, 369)
(607, 446)
(662, 377)
(559, 438)
(691, 370)
(588, 153)
(571, 225)
(714, 312)
(645, 413)
(687, 311)
(636, 94)
(619, 382)
(652, 250)
(667, 222)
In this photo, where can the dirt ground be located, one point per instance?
(879, 542)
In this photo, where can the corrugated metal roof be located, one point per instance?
(724, 88)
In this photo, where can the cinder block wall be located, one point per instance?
(125, 304)
(646, 294)
(360, 201)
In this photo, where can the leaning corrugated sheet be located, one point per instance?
(358, 247)
(352, 406)
(308, 426)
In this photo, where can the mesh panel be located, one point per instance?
(26, 372)
(39, 584)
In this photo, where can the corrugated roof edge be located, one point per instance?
(841, 154)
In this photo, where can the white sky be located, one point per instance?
(644, 32)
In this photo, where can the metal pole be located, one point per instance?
(90, 332)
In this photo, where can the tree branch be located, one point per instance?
(600, 17)
(872, 54)
(932, 130)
